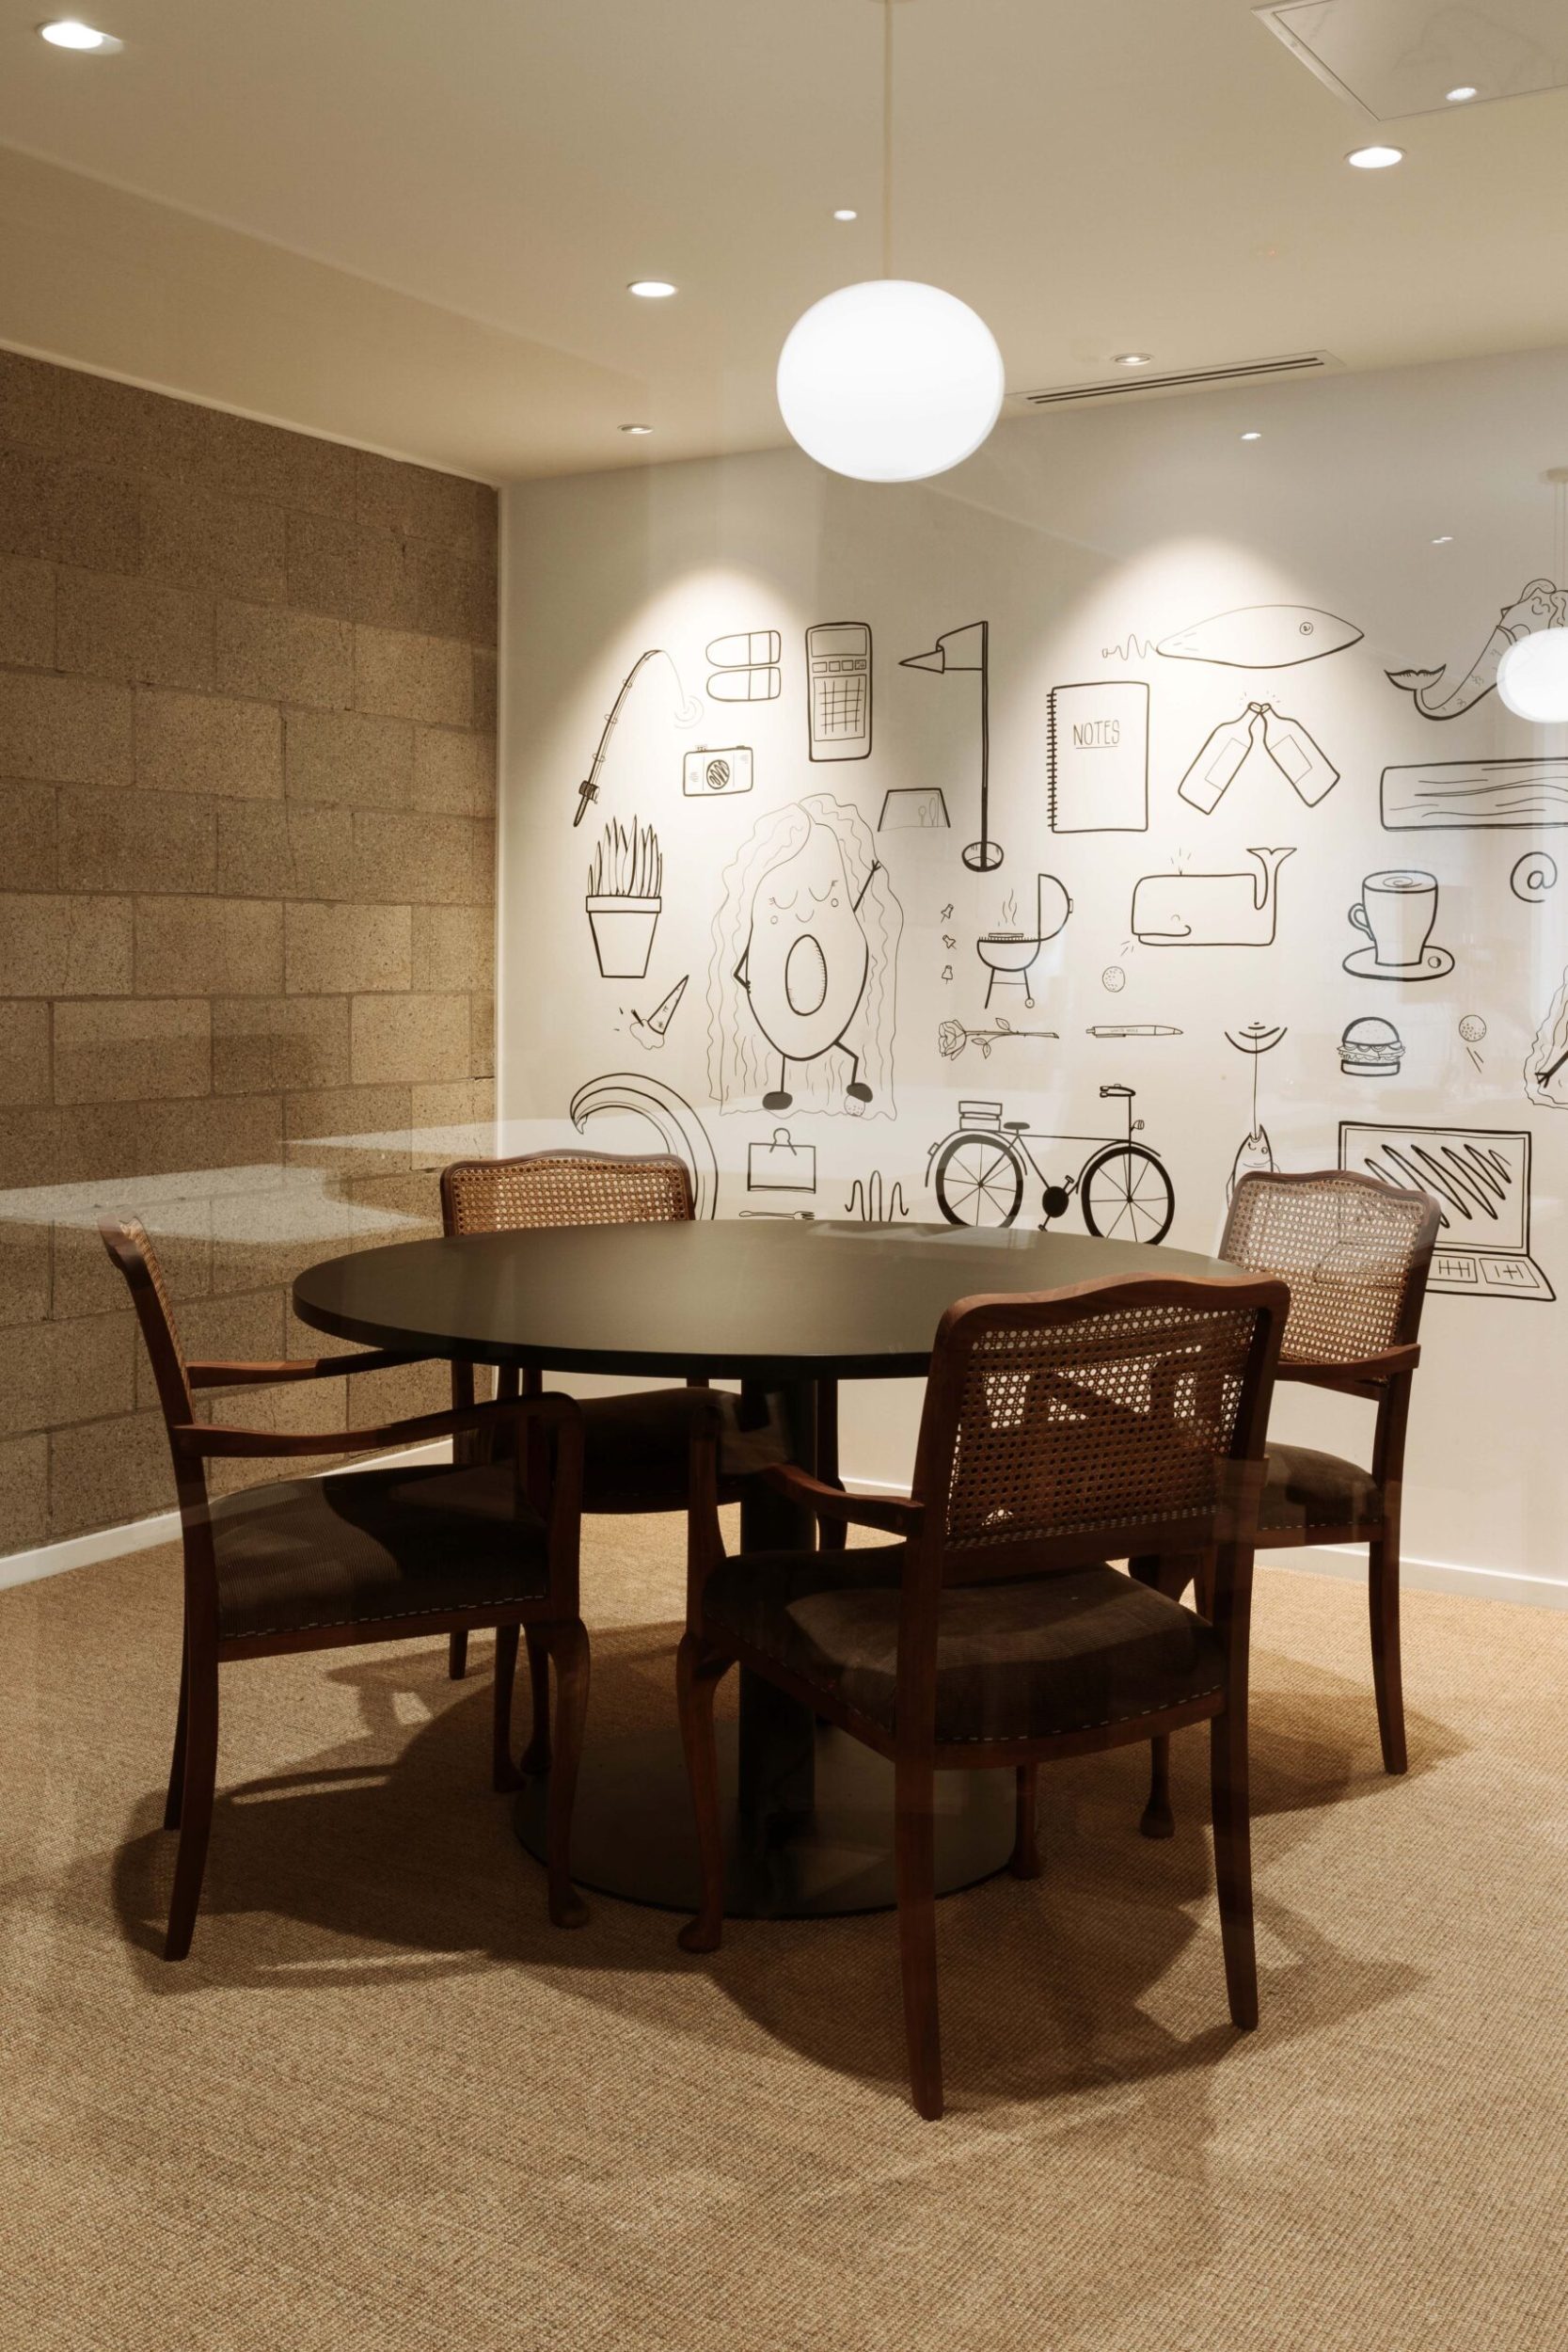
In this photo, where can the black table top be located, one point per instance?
(721, 1300)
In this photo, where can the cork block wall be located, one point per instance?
(247, 793)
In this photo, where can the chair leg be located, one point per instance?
(198, 1781)
(1227, 1770)
(568, 1647)
(177, 1762)
(457, 1657)
(1388, 1680)
(504, 1773)
(1158, 1820)
(914, 1866)
(536, 1756)
(1025, 1859)
(698, 1675)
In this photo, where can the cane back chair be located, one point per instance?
(635, 1448)
(389, 1554)
(1059, 1431)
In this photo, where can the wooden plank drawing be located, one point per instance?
(1474, 795)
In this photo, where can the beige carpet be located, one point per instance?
(385, 2106)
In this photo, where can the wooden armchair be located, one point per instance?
(1059, 1431)
(635, 1448)
(371, 1555)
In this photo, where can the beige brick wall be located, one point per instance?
(247, 792)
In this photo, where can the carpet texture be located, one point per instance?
(384, 2105)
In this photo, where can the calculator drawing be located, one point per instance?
(838, 689)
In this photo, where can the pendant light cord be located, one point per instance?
(887, 138)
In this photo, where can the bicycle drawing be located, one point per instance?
(980, 1170)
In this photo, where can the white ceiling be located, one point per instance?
(461, 189)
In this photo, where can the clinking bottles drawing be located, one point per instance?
(1287, 743)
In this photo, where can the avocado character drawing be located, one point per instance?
(800, 997)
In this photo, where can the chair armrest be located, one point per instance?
(207, 1438)
(233, 1375)
(1359, 1373)
(896, 1515)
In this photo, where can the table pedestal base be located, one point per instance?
(632, 1833)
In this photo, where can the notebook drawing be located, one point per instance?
(1479, 1179)
(1098, 756)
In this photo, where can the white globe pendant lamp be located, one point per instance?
(890, 380)
(1533, 675)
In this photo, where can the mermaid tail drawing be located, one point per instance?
(1540, 605)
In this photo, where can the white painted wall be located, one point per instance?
(1072, 536)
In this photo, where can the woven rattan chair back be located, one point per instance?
(1116, 1420)
(1354, 1253)
(545, 1189)
(127, 1243)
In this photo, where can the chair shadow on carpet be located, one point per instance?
(388, 1858)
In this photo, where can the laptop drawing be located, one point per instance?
(1480, 1178)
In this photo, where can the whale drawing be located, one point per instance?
(1541, 604)
(1263, 637)
(1209, 910)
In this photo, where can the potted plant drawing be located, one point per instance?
(624, 901)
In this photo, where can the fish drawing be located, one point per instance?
(1540, 605)
(1263, 637)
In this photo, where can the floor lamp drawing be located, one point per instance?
(969, 649)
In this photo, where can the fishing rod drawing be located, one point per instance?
(687, 715)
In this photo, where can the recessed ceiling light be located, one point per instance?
(1132, 360)
(68, 32)
(650, 289)
(845, 212)
(1444, 539)
(634, 428)
(1457, 97)
(1252, 437)
(1375, 158)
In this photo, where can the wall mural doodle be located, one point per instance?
(651, 1029)
(624, 898)
(1481, 1179)
(745, 666)
(1184, 910)
(979, 1171)
(952, 1037)
(1474, 795)
(1255, 1152)
(1096, 756)
(1546, 1063)
(781, 1165)
(1541, 604)
(1397, 910)
(969, 649)
(1534, 876)
(913, 808)
(1371, 1047)
(1258, 727)
(678, 1125)
(874, 1201)
(1131, 1028)
(1263, 637)
(838, 690)
(1008, 954)
(725, 772)
(687, 713)
(801, 984)
(1472, 1033)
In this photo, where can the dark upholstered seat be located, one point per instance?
(636, 1448)
(1304, 1490)
(373, 1545)
(1075, 1651)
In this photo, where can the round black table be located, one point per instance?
(777, 1307)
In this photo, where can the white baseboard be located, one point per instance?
(1346, 1562)
(112, 1543)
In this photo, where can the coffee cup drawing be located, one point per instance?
(1397, 911)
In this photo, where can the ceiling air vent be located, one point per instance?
(1182, 380)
